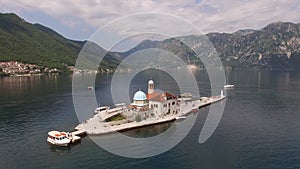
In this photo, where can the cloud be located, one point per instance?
(208, 15)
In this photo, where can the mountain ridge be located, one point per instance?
(275, 46)
(34, 43)
(40, 45)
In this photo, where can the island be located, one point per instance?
(146, 109)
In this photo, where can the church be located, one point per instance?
(160, 103)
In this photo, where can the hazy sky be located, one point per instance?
(79, 19)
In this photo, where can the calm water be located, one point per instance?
(260, 127)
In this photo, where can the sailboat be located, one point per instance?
(228, 86)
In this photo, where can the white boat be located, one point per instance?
(100, 109)
(107, 109)
(58, 138)
(229, 86)
(180, 117)
(63, 138)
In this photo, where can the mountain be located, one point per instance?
(37, 44)
(34, 43)
(276, 46)
(243, 32)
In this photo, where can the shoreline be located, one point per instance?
(33, 74)
(109, 72)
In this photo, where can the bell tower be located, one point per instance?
(150, 86)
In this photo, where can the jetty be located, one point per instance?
(78, 133)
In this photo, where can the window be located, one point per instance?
(173, 103)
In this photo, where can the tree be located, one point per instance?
(138, 118)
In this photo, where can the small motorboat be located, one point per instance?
(229, 86)
(58, 138)
(100, 109)
(62, 138)
(90, 88)
(180, 117)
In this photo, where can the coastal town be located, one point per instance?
(15, 68)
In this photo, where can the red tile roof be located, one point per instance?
(160, 97)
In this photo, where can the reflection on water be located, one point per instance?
(59, 150)
(148, 131)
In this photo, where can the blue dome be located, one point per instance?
(139, 95)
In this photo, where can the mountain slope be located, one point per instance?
(37, 44)
(275, 46)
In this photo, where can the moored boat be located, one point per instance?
(180, 117)
(102, 108)
(229, 86)
(58, 138)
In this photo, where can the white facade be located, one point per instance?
(162, 104)
(168, 107)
